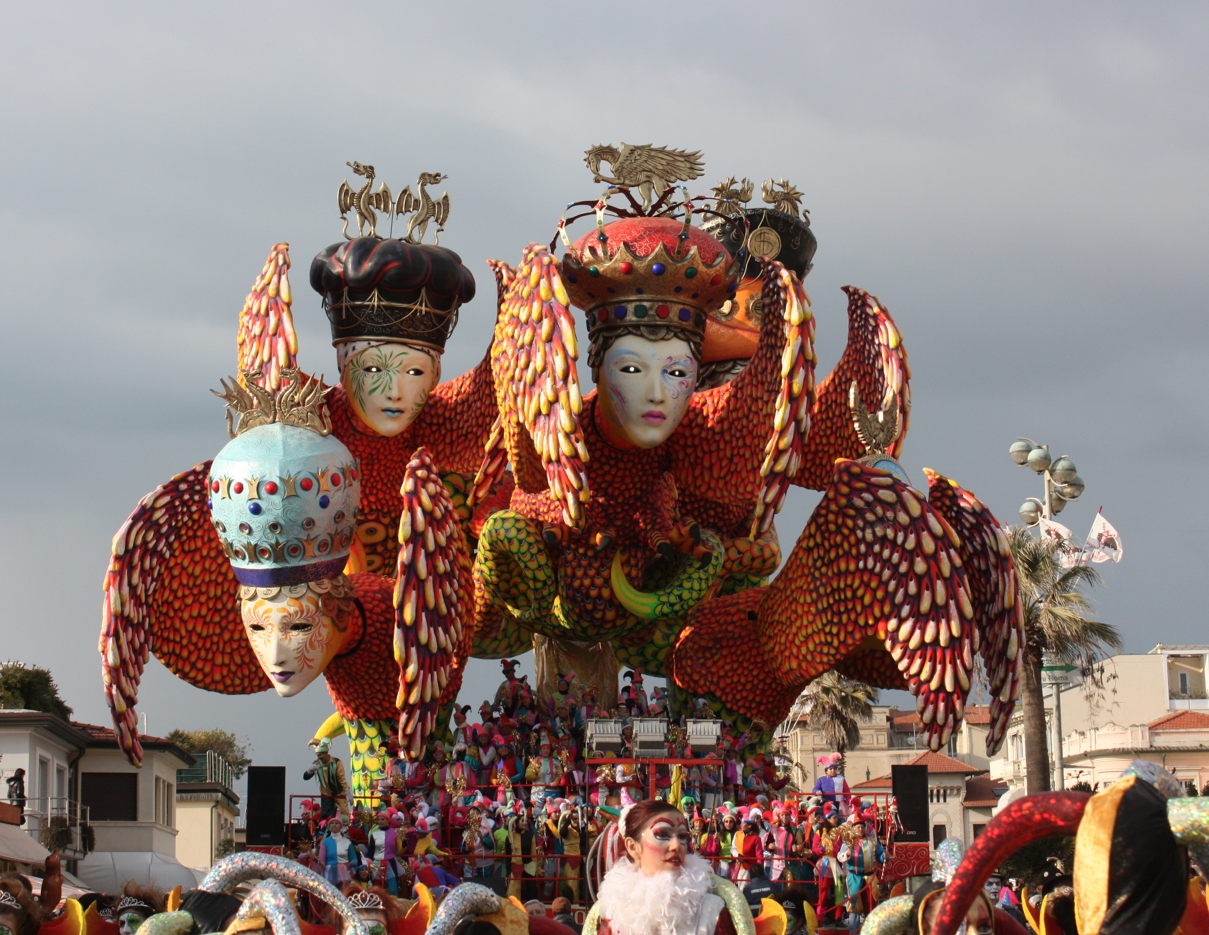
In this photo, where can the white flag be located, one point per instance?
(1103, 542)
(1072, 555)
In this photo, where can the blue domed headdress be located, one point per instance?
(284, 492)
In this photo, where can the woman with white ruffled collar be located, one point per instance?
(661, 887)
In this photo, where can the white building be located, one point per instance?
(1104, 728)
(82, 794)
(49, 750)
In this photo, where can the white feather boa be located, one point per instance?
(667, 903)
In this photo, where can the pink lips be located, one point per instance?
(283, 676)
(654, 416)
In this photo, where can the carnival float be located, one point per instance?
(383, 530)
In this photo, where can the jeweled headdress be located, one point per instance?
(284, 493)
(651, 266)
(778, 232)
(392, 289)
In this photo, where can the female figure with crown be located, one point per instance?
(169, 589)
(884, 584)
(598, 478)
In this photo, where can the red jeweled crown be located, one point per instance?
(648, 271)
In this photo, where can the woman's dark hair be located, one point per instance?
(153, 896)
(210, 911)
(29, 916)
(640, 816)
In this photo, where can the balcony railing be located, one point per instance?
(59, 824)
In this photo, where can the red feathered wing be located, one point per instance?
(170, 592)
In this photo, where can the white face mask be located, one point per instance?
(645, 388)
(293, 638)
(387, 385)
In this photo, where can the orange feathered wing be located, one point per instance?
(170, 592)
(533, 361)
(791, 419)
(267, 341)
(495, 452)
(876, 359)
(738, 442)
(433, 602)
(987, 559)
(876, 571)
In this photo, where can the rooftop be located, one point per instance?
(981, 792)
(941, 763)
(104, 736)
(1182, 720)
(1165, 648)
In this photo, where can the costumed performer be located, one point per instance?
(333, 786)
(20, 913)
(660, 887)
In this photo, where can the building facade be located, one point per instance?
(206, 810)
(49, 751)
(888, 737)
(960, 797)
(1124, 717)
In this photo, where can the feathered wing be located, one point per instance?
(739, 443)
(170, 592)
(267, 341)
(998, 613)
(433, 601)
(495, 452)
(671, 165)
(791, 419)
(533, 361)
(877, 361)
(876, 571)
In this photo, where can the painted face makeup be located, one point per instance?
(646, 387)
(129, 922)
(662, 846)
(293, 639)
(387, 385)
(374, 919)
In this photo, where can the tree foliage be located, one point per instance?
(836, 706)
(222, 742)
(1055, 608)
(1056, 622)
(31, 687)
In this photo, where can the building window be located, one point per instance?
(1184, 683)
(110, 796)
(163, 802)
(978, 829)
(939, 833)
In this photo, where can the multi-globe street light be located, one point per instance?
(1062, 485)
(1062, 482)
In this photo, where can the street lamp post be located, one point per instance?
(1062, 482)
(1062, 485)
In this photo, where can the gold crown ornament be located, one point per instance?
(651, 266)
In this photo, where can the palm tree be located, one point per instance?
(837, 706)
(1054, 623)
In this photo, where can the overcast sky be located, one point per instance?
(1023, 184)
